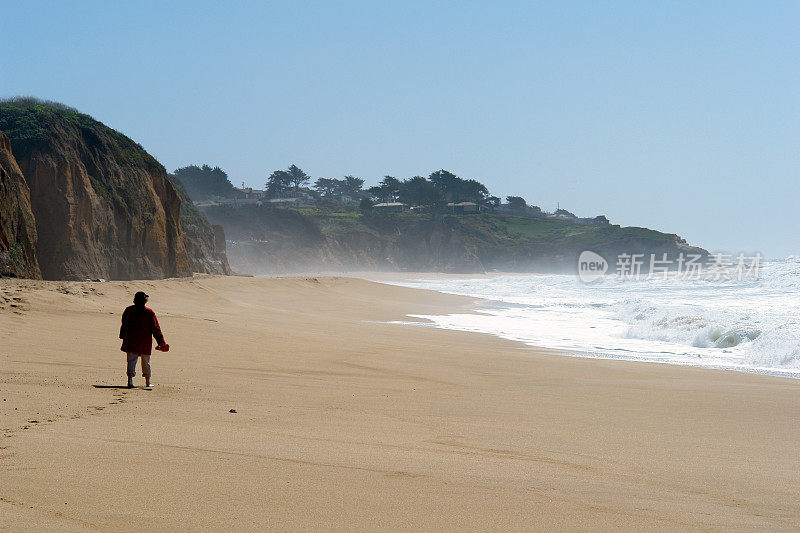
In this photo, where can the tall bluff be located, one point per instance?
(17, 225)
(104, 208)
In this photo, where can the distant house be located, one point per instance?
(464, 207)
(390, 207)
(596, 221)
(251, 194)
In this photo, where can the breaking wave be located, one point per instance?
(751, 325)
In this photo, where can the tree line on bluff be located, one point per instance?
(204, 182)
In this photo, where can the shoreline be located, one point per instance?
(758, 371)
(607, 353)
(345, 421)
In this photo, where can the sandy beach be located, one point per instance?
(344, 421)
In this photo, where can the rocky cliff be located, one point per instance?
(267, 240)
(204, 243)
(104, 208)
(17, 226)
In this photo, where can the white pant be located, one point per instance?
(132, 357)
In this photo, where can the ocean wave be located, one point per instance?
(750, 324)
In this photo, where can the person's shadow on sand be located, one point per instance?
(117, 387)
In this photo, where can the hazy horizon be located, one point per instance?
(678, 118)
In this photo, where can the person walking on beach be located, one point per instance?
(139, 326)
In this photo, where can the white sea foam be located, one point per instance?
(751, 325)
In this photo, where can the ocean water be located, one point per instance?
(750, 325)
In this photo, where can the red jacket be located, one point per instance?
(139, 326)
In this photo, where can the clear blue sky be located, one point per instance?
(680, 116)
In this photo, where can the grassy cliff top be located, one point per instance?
(34, 125)
(506, 227)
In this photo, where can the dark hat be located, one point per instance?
(140, 297)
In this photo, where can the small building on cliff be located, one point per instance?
(464, 207)
(249, 193)
(390, 207)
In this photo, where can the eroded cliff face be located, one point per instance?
(17, 226)
(204, 243)
(104, 208)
